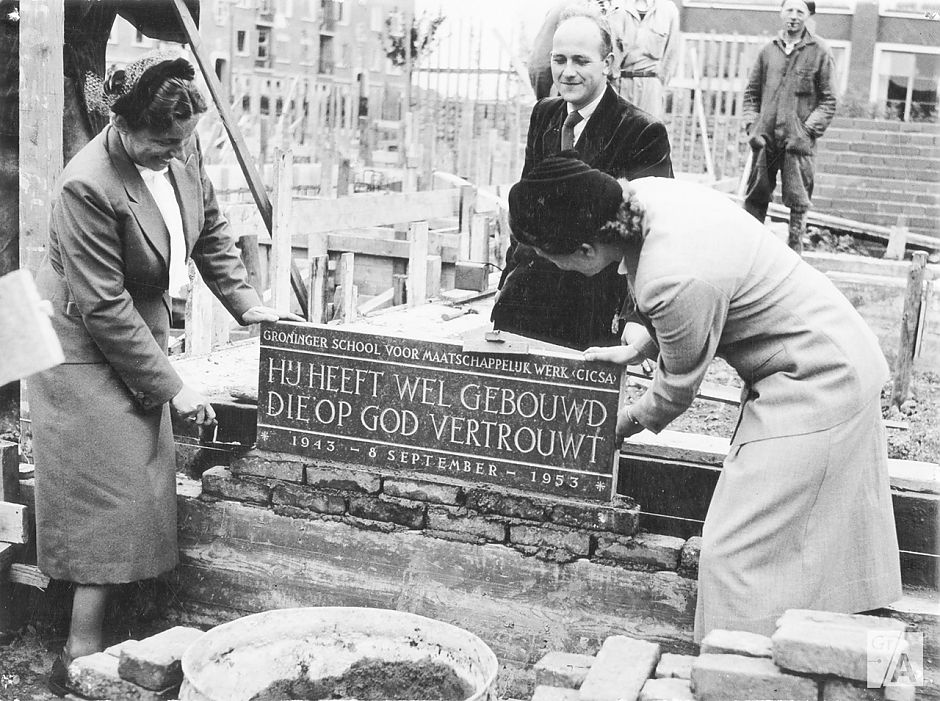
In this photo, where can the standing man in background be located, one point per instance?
(788, 104)
(649, 32)
(537, 299)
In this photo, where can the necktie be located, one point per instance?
(164, 195)
(567, 130)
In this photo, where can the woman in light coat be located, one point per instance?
(802, 515)
(133, 205)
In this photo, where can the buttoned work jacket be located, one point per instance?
(790, 100)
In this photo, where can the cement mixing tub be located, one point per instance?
(338, 653)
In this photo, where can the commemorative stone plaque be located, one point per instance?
(543, 423)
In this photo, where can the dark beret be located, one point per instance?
(561, 203)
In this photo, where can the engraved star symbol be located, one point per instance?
(14, 16)
(264, 435)
(600, 486)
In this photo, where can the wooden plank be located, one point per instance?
(909, 319)
(14, 524)
(27, 338)
(9, 471)
(479, 238)
(28, 575)
(199, 315)
(7, 553)
(848, 263)
(418, 263)
(897, 240)
(378, 301)
(434, 277)
(357, 211)
(41, 106)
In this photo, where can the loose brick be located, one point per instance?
(688, 557)
(459, 524)
(720, 677)
(667, 689)
(622, 517)
(304, 497)
(422, 491)
(280, 466)
(736, 642)
(556, 544)
(621, 669)
(563, 669)
(96, 677)
(219, 482)
(845, 690)
(645, 551)
(822, 642)
(678, 666)
(508, 504)
(154, 663)
(343, 479)
(554, 693)
(410, 515)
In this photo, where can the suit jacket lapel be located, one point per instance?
(185, 178)
(139, 198)
(599, 127)
(551, 137)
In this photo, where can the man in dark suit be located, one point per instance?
(537, 299)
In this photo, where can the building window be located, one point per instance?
(241, 42)
(327, 60)
(220, 12)
(376, 21)
(341, 11)
(265, 105)
(906, 82)
(282, 48)
(263, 54)
(246, 103)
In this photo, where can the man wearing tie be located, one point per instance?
(537, 299)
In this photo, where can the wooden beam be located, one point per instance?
(14, 525)
(347, 276)
(909, 322)
(27, 338)
(41, 106)
(361, 211)
(28, 575)
(242, 155)
(319, 272)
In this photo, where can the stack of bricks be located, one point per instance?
(812, 656)
(136, 670)
(557, 530)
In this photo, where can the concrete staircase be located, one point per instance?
(875, 171)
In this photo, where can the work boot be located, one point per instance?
(797, 230)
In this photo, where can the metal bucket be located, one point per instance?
(248, 657)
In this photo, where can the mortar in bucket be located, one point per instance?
(338, 653)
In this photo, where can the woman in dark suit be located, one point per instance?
(801, 516)
(132, 207)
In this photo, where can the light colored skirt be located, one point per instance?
(801, 521)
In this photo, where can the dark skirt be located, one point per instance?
(105, 478)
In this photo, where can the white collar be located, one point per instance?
(588, 109)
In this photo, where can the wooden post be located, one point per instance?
(281, 231)
(434, 277)
(479, 238)
(343, 176)
(468, 201)
(42, 34)
(400, 289)
(319, 272)
(912, 304)
(417, 263)
(347, 266)
(198, 315)
(897, 241)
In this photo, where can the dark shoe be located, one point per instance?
(58, 679)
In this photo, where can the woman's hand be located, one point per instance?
(194, 406)
(256, 315)
(621, 355)
(626, 424)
